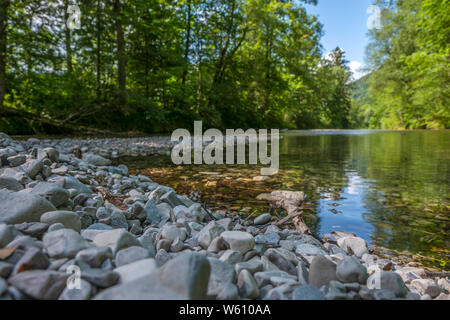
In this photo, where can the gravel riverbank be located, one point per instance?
(127, 237)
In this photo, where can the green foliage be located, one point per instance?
(230, 63)
(409, 86)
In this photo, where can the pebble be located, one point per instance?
(40, 284)
(307, 292)
(18, 207)
(247, 285)
(211, 231)
(131, 254)
(427, 286)
(181, 273)
(350, 270)
(356, 244)
(262, 219)
(68, 219)
(388, 280)
(239, 241)
(63, 243)
(136, 270)
(321, 271)
(222, 273)
(117, 240)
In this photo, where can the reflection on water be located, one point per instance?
(388, 187)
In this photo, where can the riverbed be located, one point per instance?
(389, 187)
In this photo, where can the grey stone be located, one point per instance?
(280, 261)
(135, 270)
(3, 286)
(321, 271)
(307, 292)
(218, 244)
(187, 274)
(99, 226)
(427, 286)
(69, 219)
(32, 229)
(94, 256)
(267, 265)
(52, 154)
(231, 256)
(357, 245)
(152, 212)
(171, 232)
(148, 287)
(383, 294)
(18, 207)
(162, 256)
(33, 167)
(100, 277)
(117, 240)
(306, 249)
(252, 266)
(10, 184)
(271, 239)
(388, 280)
(96, 159)
(208, 233)
(5, 269)
(177, 245)
(130, 255)
(222, 273)
(52, 192)
(25, 241)
(263, 278)
(15, 161)
(228, 292)
(262, 219)
(63, 243)
(247, 285)
(6, 235)
(412, 296)
(351, 270)
(164, 244)
(171, 198)
(33, 259)
(40, 284)
(118, 220)
(303, 273)
(239, 241)
(70, 182)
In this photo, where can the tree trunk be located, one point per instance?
(68, 40)
(99, 58)
(188, 39)
(121, 73)
(223, 53)
(4, 4)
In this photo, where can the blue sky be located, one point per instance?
(345, 25)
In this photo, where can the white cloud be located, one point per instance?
(356, 69)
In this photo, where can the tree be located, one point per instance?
(121, 68)
(4, 5)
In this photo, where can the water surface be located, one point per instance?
(388, 187)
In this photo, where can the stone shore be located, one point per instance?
(78, 228)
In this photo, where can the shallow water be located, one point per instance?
(388, 187)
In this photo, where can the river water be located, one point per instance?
(389, 187)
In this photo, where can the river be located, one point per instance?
(389, 187)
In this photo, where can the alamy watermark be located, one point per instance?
(74, 280)
(374, 21)
(213, 151)
(74, 20)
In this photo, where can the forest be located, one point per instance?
(153, 66)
